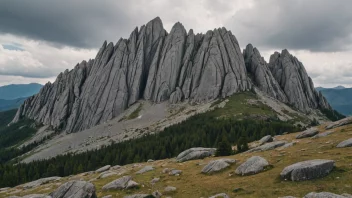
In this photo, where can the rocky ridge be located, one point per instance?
(158, 66)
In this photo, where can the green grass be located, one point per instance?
(238, 107)
(135, 113)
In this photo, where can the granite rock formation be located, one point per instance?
(158, 66)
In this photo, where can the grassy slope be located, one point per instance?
(266, 184)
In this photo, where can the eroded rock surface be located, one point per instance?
(124, 182)
(75, 189)
(308, 133)
(195, 153)
(346, 143)
(323, 195)
(252, 166)
(307, 170)
(217, 165)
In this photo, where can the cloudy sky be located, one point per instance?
(40, 38)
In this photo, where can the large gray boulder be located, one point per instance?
(252, 166)
(308, 133)
(267, 146)
(75, 189)
(319, 135)
(39, 182)
(124, 182)
(339, 123)
(195, 153)
(266, 139)
(103, 169)
(307, 170)
(323, 195)
(346, 143)
(217, 165)
(145, 169)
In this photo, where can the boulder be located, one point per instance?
(346, 143)
(319, 135)
(267, 146)
(107, 196)
(308, 133)
(195, 153)
(157, 194)
(145, 169)
(217, 165)
(307, 170)
(170, 189)
(36, 196)
(75, 189)
(266, 139)
(137, 196)
(103, 169)
(220, 195)
(323, 195)
(175, 172)
(252, 166)
(106, 174)
(156, 179)
(339, 123)
(39, 182)
(124, 182)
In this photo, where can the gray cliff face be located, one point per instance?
(152, 65)
(261, 74)
(295, 82)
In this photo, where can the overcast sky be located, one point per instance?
(40, 38)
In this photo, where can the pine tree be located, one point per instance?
(242, 144)
(224, 148)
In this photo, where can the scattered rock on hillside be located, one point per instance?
(106, 174)
(346, 143)
(288, 144)
(266, 139)
(103, 169)
(252, 166)
(33, 196)
(267, 146)
(347, 195)
(124, 182)
(145, 169)
(308, 133)
(288, 197)
(75, 189)
(175, 172)
(319, 135)
(137, 196)
(307, 170)
(220, 195)
(170, 189)
(217, 165)
(156, 179)
(39, 182)
(107, 196)
(339, 123)
(323, 195)
(150, 160)
(157, 194)
(195, 153)
(116, 167)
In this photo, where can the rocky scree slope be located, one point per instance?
(158, 66)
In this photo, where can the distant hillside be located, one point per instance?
(10, 104)
(15, 91)
(323, 88)
(339, 99)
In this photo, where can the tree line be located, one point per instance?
(198, 131)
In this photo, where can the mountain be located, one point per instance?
(340, 99)
(157, 66)
(16, 91)
(11, 104)
(323, 88)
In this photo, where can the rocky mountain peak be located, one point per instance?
(158, 66)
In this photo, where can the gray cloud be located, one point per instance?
(78, 23)
(295, 24)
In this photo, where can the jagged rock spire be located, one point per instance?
(151, 65)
